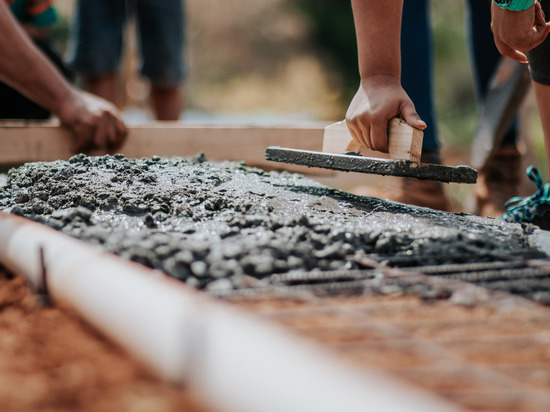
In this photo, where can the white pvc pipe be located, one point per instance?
(238, 363)
(139, 308)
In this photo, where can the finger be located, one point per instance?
(539, 16)
(122, 133)
(82, 143)
(379, 135)
(100, 134)
(111, 137)
(511, 53)
(354, 131)
(366, 136)
(540, 29)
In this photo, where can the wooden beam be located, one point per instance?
(39, 142)
(404, 141)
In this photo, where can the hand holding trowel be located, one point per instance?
(342, 152)
(404, 141)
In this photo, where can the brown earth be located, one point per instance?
(51, 361)
(493, 356)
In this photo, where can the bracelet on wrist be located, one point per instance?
(514, 5)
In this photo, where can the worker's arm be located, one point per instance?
(95, 122)
(380, 96)
(518, 31)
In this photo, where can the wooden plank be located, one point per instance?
(29, 143)
(404, 141)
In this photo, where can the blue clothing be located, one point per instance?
(417, 60)
(99, 28)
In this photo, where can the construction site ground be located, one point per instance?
(51, 360)
(494, 356)
(226, 228)
(489, 355)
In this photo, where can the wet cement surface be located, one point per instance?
(225, 225)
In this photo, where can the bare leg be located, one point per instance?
(103, 85)
(542, 94)
(167, 102)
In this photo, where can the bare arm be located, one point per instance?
(95, 122)
(380, 96)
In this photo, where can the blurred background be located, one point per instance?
(288, 61)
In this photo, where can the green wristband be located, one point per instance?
(514, 5)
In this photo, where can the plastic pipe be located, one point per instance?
(237, 362)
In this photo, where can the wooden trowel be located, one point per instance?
(342, 152)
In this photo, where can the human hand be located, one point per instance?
(517, 32)
(95, 123)
(378, 100)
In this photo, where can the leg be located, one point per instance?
(484, 55)
(417, 78)
(167, 102)
(539, 65)
(500, 179)
(542, 95)
(96, 44)
(102, 85)
(417, 65)
(162, 41)
(536, 208)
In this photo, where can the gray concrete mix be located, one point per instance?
(220, 225)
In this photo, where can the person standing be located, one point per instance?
(97, 43)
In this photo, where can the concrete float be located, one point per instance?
(235, 361)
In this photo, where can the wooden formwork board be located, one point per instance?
(38, 142)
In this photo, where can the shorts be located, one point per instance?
(98, 32)
(539, 57)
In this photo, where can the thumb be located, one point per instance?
(412, 118)
(507, 51)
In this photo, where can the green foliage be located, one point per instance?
(333, 31)
(455, 98)
(61, 31)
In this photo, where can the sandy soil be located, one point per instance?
(51, 361)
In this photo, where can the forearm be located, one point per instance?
(378, 30)
(26, 69)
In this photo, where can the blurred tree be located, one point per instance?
(333, 31)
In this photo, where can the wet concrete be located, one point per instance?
(224, 225)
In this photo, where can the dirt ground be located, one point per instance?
(51, 361)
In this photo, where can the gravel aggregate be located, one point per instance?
(218, 224)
